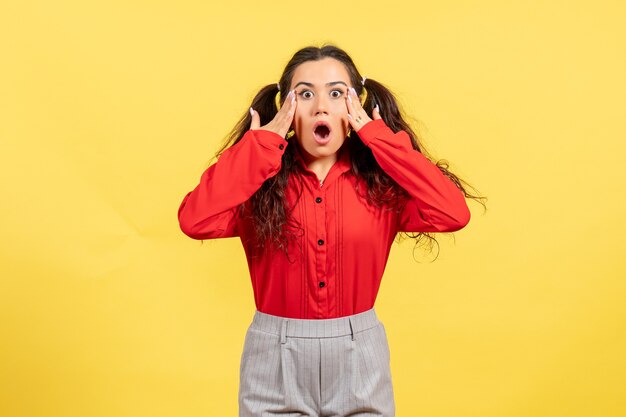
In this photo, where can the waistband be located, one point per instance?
(315, 328)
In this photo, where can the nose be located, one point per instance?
(321, 106)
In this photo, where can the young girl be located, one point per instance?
(317, 192)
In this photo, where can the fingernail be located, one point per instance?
(377, 108)
(349, 117)
(251, 112)
(350, 98)
(353, 90)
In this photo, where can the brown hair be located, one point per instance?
(273, 224)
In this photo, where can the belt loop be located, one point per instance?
(283, 332)
(351, 327)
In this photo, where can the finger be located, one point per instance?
(354, 116)
(293, 103)
(350, 113)
(286, 106)
(358, 117)
(287, 102)
(286, 118)
(255, 123)
(350, 102)
(376, 112)
(357, 107)
(356, 100)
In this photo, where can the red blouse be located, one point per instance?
(335, 268)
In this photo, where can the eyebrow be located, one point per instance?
(328, 84)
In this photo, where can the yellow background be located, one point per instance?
(111, 110)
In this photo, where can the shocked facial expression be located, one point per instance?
(321, 119)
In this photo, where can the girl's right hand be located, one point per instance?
(281, 123)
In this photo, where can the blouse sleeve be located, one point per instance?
(436, 203)
(210, 210)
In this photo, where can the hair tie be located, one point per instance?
(278, 85)
(363, 80)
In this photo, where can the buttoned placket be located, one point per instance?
(322, 253)
(318, 189)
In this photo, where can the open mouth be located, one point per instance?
(321, 130)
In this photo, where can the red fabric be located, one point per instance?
(346, 242)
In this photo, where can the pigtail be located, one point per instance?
(265, 104)
(381, 187)
(377, 93)
(390, 113)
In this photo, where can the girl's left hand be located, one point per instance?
(356, 114)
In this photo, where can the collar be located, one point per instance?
(343, 164)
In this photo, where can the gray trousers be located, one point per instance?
(319, 368)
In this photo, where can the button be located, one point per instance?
(322, 284)
(281, 146)
(320, 242)
(318, 200)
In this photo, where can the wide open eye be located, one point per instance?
(303, 92)
(339, 93)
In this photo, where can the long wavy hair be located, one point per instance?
(272, 221)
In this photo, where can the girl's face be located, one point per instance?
(321, 91)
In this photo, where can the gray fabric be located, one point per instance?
(318, 368)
